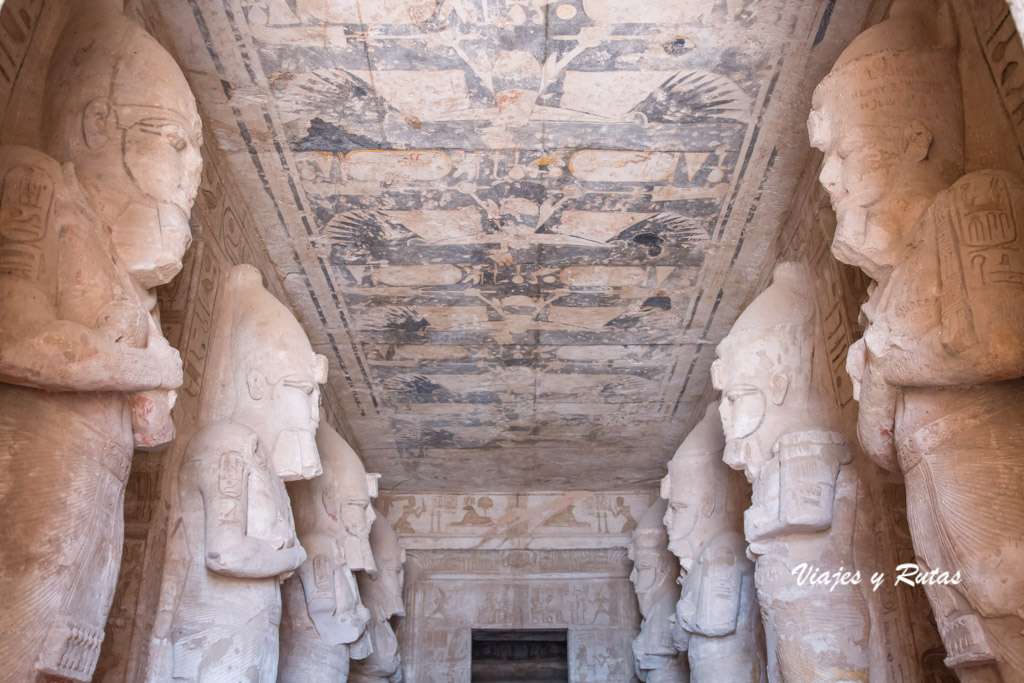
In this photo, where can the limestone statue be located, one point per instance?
(778, 431)
(381, 592)
(938, 370)
(717, 619)
(323, 611)
(233, 537)
(87, 227)
(655, 579)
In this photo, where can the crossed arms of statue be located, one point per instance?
(53, 256)
(710, 600)
(225, 487)
(951, 313)
(332, 596)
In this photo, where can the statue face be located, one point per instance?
(294, 406)
(122, 112)
(163, 158)
(889, 119)
(681, 519)
(873, 186)
(150, 229)
(742, 408)
(392, 578)
(645, 569)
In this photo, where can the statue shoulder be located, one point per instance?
(35, 187)
(221, 437)
(981, 210)
(15, 156)
(723, 544)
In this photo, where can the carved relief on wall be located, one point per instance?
(1004, 54)
(576, 519)
(938, 368)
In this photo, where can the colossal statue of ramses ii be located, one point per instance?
(381, 592)
(232, 533)
(779, 431)
(655, 578)
(719, 626)
(938, 370)
(324, 616)
(88, 226)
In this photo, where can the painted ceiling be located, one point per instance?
(516, 228)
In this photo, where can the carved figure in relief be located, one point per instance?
(86, 374)
(381, 592)
(403, 525)
(233, 537)
(716, 616)
(777, 431)
(654, 576)
(323, 612)
(938, 369)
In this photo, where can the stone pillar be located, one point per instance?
(381, 592)
(655, 578)
(323, 612)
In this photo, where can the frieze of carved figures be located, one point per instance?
(938, 369)
(381, 592)
(324, 617)
(717, 622)
(777, 432)
(655, 579)
(233, 537)
(87, 227)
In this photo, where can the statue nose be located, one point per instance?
(830, 173)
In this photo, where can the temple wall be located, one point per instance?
(517, 561)
(587, 592)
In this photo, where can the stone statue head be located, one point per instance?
(764, 371)
(696, 488)
(381, 592)
(386, 584)
(889, 118)
(119, 108)
(344, 492)
(648, 548)
(275, 376)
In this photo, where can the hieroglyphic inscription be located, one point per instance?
(25, 202)
(584, 591)
(18, 22)
(525, 520)
(1001, 45)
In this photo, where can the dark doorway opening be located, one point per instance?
(507, 656)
